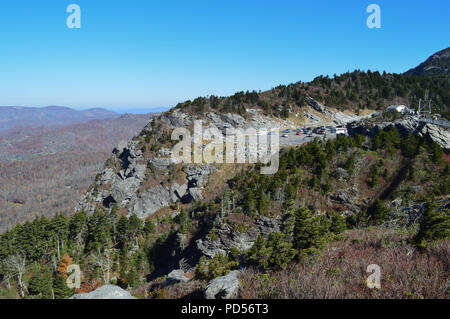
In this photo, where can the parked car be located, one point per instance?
(341, 131)
(299, 133)
(287, 131)
(285, 135)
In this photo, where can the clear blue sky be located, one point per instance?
(140, 54)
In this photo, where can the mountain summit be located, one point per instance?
(437, 64)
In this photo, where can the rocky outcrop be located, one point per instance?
(176, 276)
(151, 201)
(197, 175)
(227, 237)
(438, 134)
(178, 191)
(105, 292)
(405, 126)
(176, 118)
(225, 287)
(123, 185)
(348, 198)
(319, 107)
(339, 118)
(340, 174)
(413, 214)
(312, 117)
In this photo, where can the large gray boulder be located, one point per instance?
(151, 201)
(196, 193)
(176, 118)
(438, 134)
(228, 237)
(105, 292)
(197, 175)
(224, 287)
(175, 276)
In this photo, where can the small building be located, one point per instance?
(398, 108)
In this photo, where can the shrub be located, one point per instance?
(218, 266)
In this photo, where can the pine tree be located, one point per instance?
(310, 236)
(60, 289)
(41, 283)
(380, 213)
(434, 226)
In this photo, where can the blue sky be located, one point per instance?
(142, 54)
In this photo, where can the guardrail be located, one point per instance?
(443, 123)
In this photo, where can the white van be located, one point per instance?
(341, 130)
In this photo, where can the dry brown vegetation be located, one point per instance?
(45, 170)
(341, 270)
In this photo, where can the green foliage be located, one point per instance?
(60, 288)
(273, 253)
(338, 223)
(98, 230)
(311, 232)
(218, 266)
(41, 283)
(434, 226)
(379, 213)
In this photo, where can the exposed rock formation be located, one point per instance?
(175, 276)
(224, 287)
(437, 134)
(228, 237)
(105, 292)
(151, 201)
(405, 126)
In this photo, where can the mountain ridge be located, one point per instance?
(14, 116)
(437, 64)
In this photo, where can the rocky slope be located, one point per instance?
(437, 64)
(406, 125)
(125, 179)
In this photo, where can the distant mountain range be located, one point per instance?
(16, 116)
(437, 64)
(45, 169)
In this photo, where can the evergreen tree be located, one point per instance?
(434, 226)
(41, 283)
(60, 289)
(380, 213)
(310, 236)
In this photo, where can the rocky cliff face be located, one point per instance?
(338, 118)
(437, 64)
(137, 181)
(405, 126)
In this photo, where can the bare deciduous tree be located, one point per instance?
(104, 262)
(15, 266)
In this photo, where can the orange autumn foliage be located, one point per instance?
(65, 262)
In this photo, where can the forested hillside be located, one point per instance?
(353, 91)
(326, 194)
